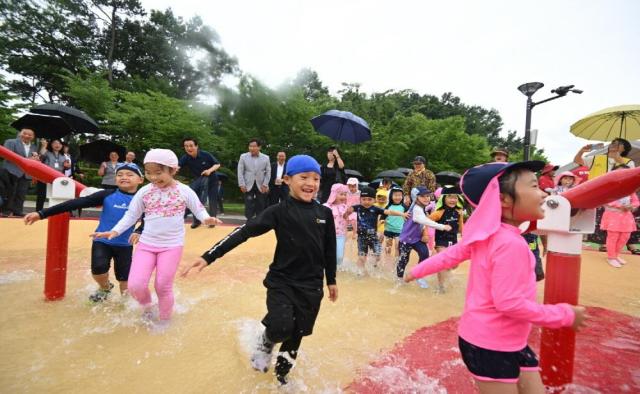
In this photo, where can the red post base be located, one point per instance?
(557, 346)
(55, 277)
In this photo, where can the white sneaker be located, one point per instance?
(614, 263)
(261, 357)
(623, 262)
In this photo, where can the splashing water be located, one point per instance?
(18, 276)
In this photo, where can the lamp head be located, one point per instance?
(529, 88)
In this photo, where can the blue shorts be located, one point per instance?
(369, 240)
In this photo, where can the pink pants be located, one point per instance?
(615, 242)
(165, 261)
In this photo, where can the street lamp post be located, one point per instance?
(529, 89)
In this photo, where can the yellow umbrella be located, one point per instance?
(608, 124)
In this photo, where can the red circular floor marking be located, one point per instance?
(607, 359)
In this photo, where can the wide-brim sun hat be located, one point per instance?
(474, 182)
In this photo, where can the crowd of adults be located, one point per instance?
(261, 180)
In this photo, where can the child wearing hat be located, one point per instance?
(565, 181)
(305, 255)
(448, 210)
(368, 216)
(115, 203)
(353, 198)
(411, 237)
(163, 203)
(500, 306)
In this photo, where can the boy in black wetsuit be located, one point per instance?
(449, 211)
(305, 253)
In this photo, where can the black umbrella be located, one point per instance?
(98, 151)
(390, 174)
(376, 183)
(45, 126)
(448, 178)
(78, 120)
(353, 173)
(404, 170)
(342, 126)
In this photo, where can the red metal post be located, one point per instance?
(55, 279)
(557, 346)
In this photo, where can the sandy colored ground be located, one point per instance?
(72, 346)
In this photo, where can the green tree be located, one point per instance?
(39, 40)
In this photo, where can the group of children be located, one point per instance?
(500, 301)
(380, 219)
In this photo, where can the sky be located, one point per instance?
(481, 51)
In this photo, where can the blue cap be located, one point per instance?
(422, 191)
(302, 163)
(131, 167)
(475, 180)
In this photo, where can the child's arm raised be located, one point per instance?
(252, 228)
(451, 257)
(420, 218)
(511, 278)
(93, 200)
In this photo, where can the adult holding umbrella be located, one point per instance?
(598, 165)
(331, 172)
(342, 126)
(339, 126)
(420, 176)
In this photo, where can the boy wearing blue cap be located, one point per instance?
(115, 203)
(305, 254)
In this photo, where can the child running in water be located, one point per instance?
(393, 225)
(163, 203)
(618, 221)
(412, 236)
(305, 254)
(353, 198)
(382, 199)
(115, 203)
(337, 202)
(368, 216)
(448, 210)
(500, 304)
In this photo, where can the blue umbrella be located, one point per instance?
(342, 126)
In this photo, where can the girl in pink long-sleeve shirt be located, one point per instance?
(500, 304)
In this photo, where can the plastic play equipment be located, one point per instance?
(567, 218)
(60, 189)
